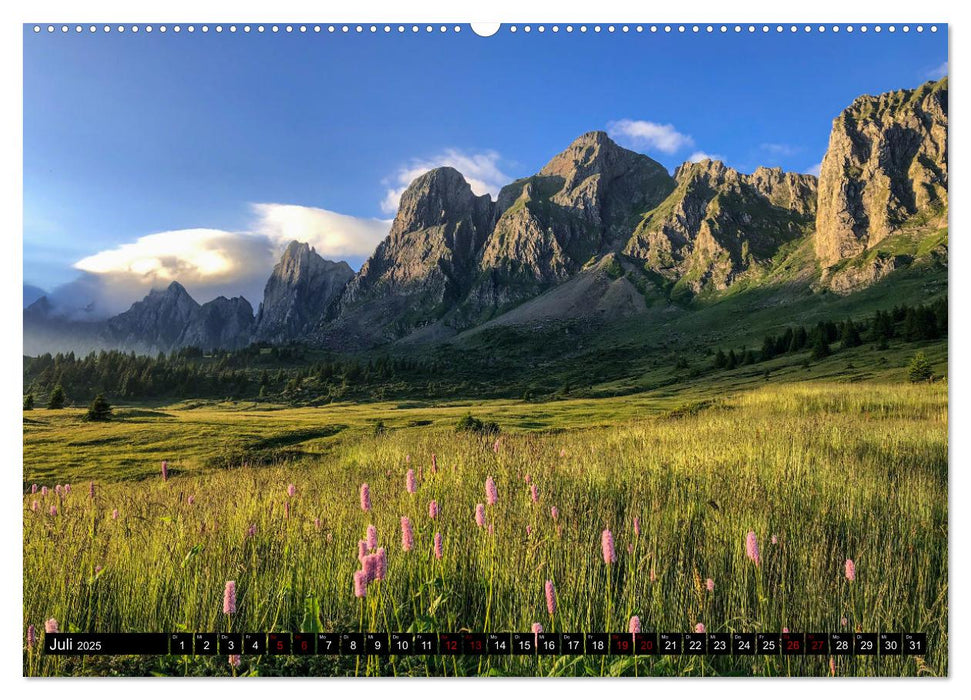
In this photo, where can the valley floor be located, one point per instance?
(820, 471)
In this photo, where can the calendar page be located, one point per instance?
(450, 350)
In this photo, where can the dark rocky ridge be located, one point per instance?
(299, 293)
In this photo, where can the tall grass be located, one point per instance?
(830, 471)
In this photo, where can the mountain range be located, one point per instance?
(600, 231)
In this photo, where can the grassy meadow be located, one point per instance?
(821, 471)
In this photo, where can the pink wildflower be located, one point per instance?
(317, 524)
(495, 446)
(832, 666)
(407, 459)
(434, 464)
(57, 489)
(165, 470)
(752, 547)
(785, 630)
(554, 512)
(31, 637)
(67, 488)
(607, 547)
(382, 558)
(407, 534)
(775, 540)
(411, 485)
(630, 549)
(844, 621)
(361, 551)
(652, 575)
(291, 490)
(53, 510)
(528, 479)
(229, 598)
(192, 499)
(371, 567)
(114, 514)
(700, 628)
(550, 598)
(43, 490)
(534, 493)
(635, 625)
(235, 660)
(537, 631)
(850, 570)
(637, 526)
(438, 545)
(360, 584)
(562, 452)
(529, 530)
(251, 530)
(710, 584)
(365, 498)
(480, 519)
(50, 626)
(372, 537)
(492, 493)
(33, 488)
(491, 529)
(433, 509)
(34, 506)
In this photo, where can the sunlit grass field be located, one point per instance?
(820, 472)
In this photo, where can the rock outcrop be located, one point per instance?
(719, 224)
(301, 292)
(886, 166)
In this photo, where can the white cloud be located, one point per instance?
(699, 156)
(939, 72)
(663, 137)
(481, 171)
(213, 262)
(335, 236)
(814, 169)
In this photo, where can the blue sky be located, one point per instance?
(204, 137)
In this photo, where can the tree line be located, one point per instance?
(189, 372)
(909, 323)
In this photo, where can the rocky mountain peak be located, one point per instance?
(156, 322)
(720, 225)
(708, 169)
(792, 191)
(438, 197)
(300, 293)
(425, 264)
(886, 166)
(603, 183)
(591, 152)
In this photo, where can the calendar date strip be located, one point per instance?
(884, 644)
